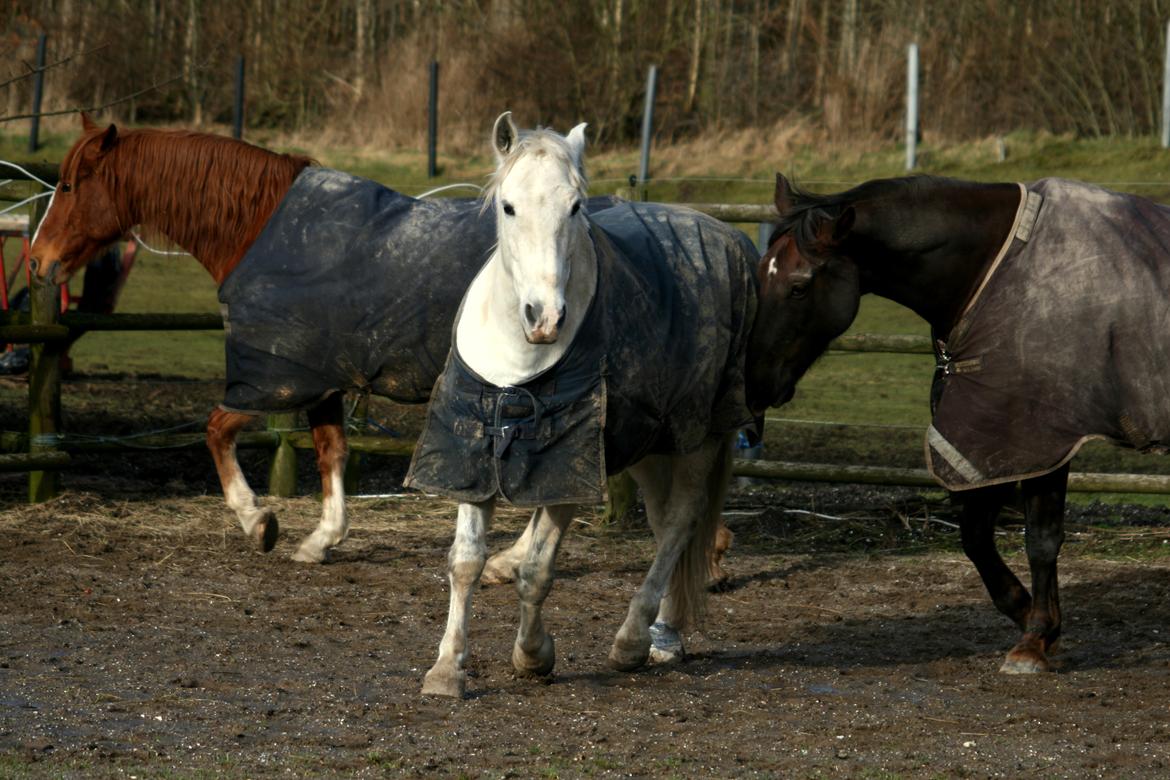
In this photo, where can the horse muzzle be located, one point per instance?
(46, 271)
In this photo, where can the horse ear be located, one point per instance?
(504, 135)
(783, 196)
(109, 138)
(831, 231)
(844, 224)
(87, 123)
(576, 140)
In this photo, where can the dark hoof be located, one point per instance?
(267, 532)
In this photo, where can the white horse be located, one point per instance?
(519, 318)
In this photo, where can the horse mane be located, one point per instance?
(809, 209)
(538, 141)
(181, 181)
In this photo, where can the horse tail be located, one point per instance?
(687, 591)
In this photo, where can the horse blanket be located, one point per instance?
(350, 285)
(1064, 342)
(656, 367)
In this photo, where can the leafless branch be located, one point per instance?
(94, 109)
(32, 71)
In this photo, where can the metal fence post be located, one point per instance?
(647, 130)
(432, 119)
(911, 106)
(38, 93)
(238, 110)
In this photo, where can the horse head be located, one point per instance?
(538, 190)
(808, 295)
(82, 217)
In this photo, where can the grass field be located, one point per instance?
(885, 391)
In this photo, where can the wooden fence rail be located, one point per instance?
(44, 450)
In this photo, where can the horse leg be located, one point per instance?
(327, 421)
(717, 578)
(448, 677)
(977, 528)
(693, 497)
(259, 523)
(1044, 518)
(501, 567)
(654, 477)
(533, 653)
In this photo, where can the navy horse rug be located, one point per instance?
(350, 286)
(656, 367)
(1065, 341)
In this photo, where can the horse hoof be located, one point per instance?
(1025, 662)
(666, 645)
(265, 530)
(310, 553)
(496, 572)
(444, 682)
(539, 664)
(624, 658)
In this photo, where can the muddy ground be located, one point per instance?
(140, 636)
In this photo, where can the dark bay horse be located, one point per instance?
(1042, 300)
(215, 197)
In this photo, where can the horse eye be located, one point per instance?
(65, 186)
(575, 209)
(511, 212)
(799, 290)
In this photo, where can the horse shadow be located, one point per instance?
(1110, 622)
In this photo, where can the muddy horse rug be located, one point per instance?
(675, 299)
(1067, 340)
(350, 286)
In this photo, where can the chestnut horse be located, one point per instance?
(1040, 298)
(213, 196)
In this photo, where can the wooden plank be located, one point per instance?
(736, 212)
(80, 321)
(34, 461)
(1078, 482)
(50, 172)
(875, 342)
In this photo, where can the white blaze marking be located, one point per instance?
(772, 268)
(48, 208)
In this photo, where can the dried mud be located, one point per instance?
(140, 636)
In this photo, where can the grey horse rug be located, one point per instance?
(350, 285)
(656, 367)
(1068, 339)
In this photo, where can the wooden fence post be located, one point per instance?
(44, 379)
(355, 459)
(282, 471)
(623, 496)
(44, 391)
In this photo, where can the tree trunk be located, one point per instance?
(190, 66)
(361, 48)
(696, 53)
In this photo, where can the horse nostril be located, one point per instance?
(32, 264)
(561, 318)
(530, 314)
